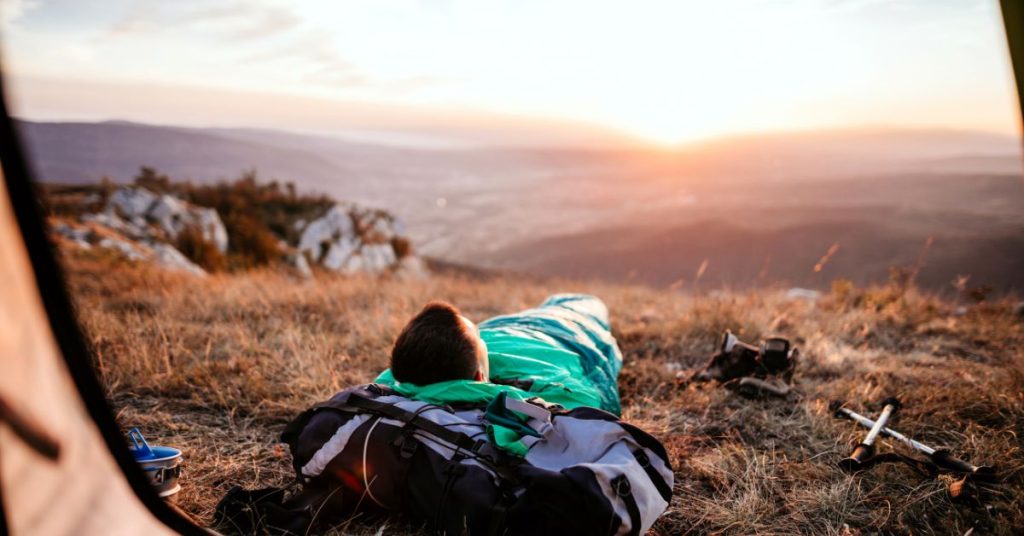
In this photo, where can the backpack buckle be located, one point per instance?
(622, 486)
(406, 445)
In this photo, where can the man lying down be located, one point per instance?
(511, 427)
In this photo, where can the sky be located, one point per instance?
(529, 71)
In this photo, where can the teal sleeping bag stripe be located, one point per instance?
(568, 332)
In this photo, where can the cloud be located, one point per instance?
(243, 21)
(132, 24)
(314, 49)
(12, 10)
(261, 34)
(234, 22)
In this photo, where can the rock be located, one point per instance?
(352, 239)
(77, 235)
(123, 246)
(112, 221)
(113, 237)
(378, 257)
(797, 293)
(332, 227)
(167, 256)
(131, 210)
(382, 228)
(1018, 309)
(353, 264)
(174, 216)
(131, 202)
(340, 252)
(302, 265)
(161, 254)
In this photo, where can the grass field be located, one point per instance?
(218, 365)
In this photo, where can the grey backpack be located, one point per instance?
(586, 471)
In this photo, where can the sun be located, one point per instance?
(669, 122)
(666, 131)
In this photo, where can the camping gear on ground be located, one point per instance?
(584, 471)
(267, 511)
(752, 370)
(865, 451)
(939, 460)
(754, 387)
(161, 464)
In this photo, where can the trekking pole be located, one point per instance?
(942, 458)
(866, 449)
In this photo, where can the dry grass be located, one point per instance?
(217, 366)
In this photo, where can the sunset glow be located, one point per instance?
(666, 72)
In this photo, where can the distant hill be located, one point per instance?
(77, 153)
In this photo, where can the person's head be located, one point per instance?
(439, 344)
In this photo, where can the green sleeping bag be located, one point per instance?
(562, 352)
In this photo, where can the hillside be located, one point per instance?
(217, 366)
(775, 233)
(743, 257)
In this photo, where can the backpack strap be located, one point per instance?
(415, 420)
(622, 488)
(663, 488)
(295, 426)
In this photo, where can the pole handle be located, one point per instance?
(855, 462)
(947, 462)
(836, 409)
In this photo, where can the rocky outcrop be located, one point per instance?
(352, 239)
(141, 210)
(90, 234)
(346, 238)
(142, 225)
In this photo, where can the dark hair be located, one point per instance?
(434, 346)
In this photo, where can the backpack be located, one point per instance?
(584, 470)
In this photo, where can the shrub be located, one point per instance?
(153, 180)
(251, 242)
(192, 244)
(402, 247)
(277, 208)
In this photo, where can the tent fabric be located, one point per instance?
(83, 491)
(562, 351)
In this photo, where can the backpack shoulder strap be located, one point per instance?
(337, 402)
(415, 420)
